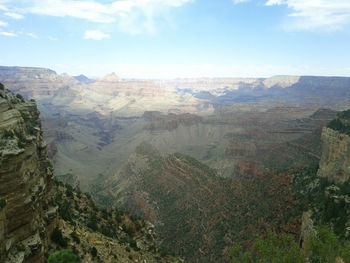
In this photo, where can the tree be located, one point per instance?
(64, 256)
(326, 246)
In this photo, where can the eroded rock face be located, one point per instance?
(335, 161)
(25, 178)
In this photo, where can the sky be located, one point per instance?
(178, 38)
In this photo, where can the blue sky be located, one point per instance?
(178, 38)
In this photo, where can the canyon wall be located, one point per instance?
(25, 180)
(335, 160)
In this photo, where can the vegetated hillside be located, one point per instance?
(197, 214)
(100, 235)
(341, 123)
(323, 192)
(38, 217)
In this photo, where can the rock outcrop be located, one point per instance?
(335, 160)
(25, 180)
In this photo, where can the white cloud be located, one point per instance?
(32, 35)
(316, 14)
(14, 15)
(3, 24)
(8, 34)
(3, 8)
(95, 35)
(275, 2)
(237, 2)
(132, 16)
(87, 10)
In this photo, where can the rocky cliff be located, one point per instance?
(335, 160)
(25, 177)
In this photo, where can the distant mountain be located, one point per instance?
(25, 72)
(84, 79)
(112, 77)
(133, 97)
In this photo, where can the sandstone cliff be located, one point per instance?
(25, 176)
(335, 160)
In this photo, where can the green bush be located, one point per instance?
(326, 246)
(339, 126)
(2, 87)
(64, 256)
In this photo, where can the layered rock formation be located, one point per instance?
(25, 177)
(335, 161)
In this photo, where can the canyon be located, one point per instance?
(207, 163)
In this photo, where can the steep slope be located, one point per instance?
(324, 195)
(335, 161)
(25, 179)
(197, 214)
(325, 190)
(100, 235)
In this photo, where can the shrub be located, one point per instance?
(8, 134)
(64, 256)
(92, 223)
(64, 211)
(58, 238)
(69, 191)
(2, 203)
(21, 139)
(339, 126)
(2, 87)
(108, 231)
(19, 96)
(75, 237)
(93, 252)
